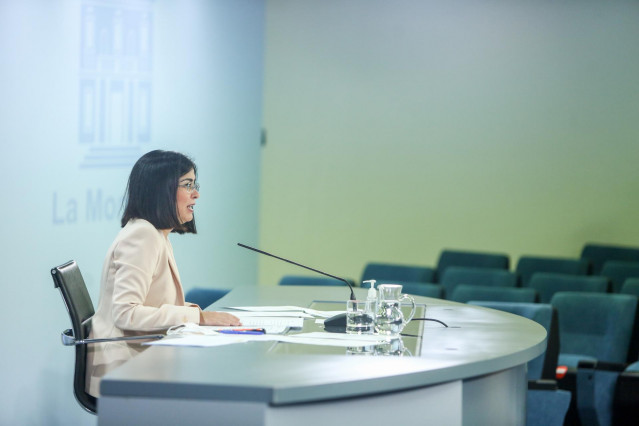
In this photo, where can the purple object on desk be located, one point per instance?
(243, 331)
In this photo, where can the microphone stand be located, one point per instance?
(302, 266)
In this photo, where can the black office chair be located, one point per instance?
(68, 279)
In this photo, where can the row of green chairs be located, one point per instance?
(621, 261)
(461, 284)
(589, 334)
(591, 326)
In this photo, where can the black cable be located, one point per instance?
(430, 319)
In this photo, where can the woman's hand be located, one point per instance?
(218, 318)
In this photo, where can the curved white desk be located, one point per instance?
(473, 372)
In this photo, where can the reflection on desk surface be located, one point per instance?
(409, 345)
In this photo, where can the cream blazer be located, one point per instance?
(140, 293)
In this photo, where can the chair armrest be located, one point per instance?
(542, 384)
(602, 365)
(69, 340)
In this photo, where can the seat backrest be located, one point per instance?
(529, 265)
(464, 293)
(547, 284)
(391, 271)
(545, 365)
(630, 286)
(618, 272)
(204, 297)
(595, 325)
(598, 254)
(304, 280)
(448, 258)
(456, 275)
(68, 279)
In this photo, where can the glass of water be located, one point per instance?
(360, 317)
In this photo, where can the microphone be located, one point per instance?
(300, 265)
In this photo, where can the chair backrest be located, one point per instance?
(464, 293)
(598, 254)
(204, 297)
(630, 286)
(448, 258)
(418, 288)
(595, 325)
(619, 271)
(390, 271)
(456, 275)
(304, 280)
(529, 265)
(547, 284)
(545, 365)
(68, 279)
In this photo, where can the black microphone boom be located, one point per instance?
(302, 266)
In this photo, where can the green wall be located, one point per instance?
(397, 129)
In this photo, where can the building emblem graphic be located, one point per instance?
(115, 81)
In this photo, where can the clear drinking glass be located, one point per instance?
(360, 317)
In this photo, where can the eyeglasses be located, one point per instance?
(190, 186)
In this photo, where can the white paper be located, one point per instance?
(282, 314)
(283, 310)
(316, 338)
(268, 308)
(266, 322)
(197, 340)
(269, 328)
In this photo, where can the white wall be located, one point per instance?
(187, 75)
(399, 128)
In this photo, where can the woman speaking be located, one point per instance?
(140, 287)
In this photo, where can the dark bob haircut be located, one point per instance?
(151, 192)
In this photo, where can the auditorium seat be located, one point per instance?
(448, 258)
(598, 254)
(456, 275)
(547, 284)
(529, 265)
(618, 272)
(392, 271)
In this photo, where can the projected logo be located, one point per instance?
(115, 101)
(115, 81)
